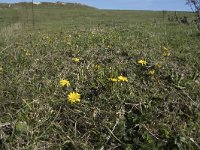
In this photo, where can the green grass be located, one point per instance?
(8, 17)
(150, 111)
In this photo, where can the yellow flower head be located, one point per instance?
(97, 66)
(109, 46)
(122, 78)
(151, 72)
(1, 69)
(165, 48)
(64, 83)
(142, 62)
(73, 97)
(166, 54)
(113, 79)
(75, 59)
(158, 65)
(27, 54)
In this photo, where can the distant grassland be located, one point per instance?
(52, 16)
(8, 17)
(85, 78)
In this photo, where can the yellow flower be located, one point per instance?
(27, 54)
(73, 97)
(142, 62)
(113, 79)
(151, 72)
(166, 49)
(122, 78)
(76, 59)
(166, 54)
(109, 46)
(97, 66)
(1, 69)
(64, 83)
(158, 65)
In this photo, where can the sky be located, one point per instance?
(174, 5)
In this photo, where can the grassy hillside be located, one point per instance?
(85, 78)
(8, 17)
(71, 16)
